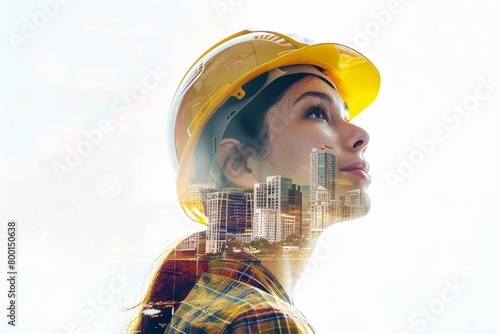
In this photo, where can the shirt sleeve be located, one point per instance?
(268, 321)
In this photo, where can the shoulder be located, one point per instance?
(219, 304)
(270, 320)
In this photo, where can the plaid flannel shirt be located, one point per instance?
(233, 294)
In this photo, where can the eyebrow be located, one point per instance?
(320, 95)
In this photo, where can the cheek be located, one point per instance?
(305, 138)
(291, 150)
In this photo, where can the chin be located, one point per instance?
(361, 203)
(367, 198)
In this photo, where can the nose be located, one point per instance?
(356, 138)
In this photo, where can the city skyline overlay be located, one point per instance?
(274, 209)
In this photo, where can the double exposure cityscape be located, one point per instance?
(276, 216)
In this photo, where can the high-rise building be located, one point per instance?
(288, 223)
(322, 171)
(354, 197)
(321, 211)
(355, 204)
(196, 200)
(249, 209)
(295, 208)
(304, 230)
(356, 211)
(277, 196)
(322, 191)
(226, 213)
(337, 210)
(266, 225)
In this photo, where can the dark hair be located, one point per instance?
(249, 127)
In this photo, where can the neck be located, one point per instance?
(289, 264)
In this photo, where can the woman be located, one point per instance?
(267, 158)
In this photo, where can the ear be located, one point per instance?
(237, 163)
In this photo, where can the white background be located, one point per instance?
(87, 239)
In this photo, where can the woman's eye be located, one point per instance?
(316, 112)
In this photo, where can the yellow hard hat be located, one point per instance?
(221, 72)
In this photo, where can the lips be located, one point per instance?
(358, 165)
(359, 168)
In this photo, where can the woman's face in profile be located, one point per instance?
(312, 114)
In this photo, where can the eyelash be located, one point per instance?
(319, 107)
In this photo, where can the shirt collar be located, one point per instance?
(246, 268)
